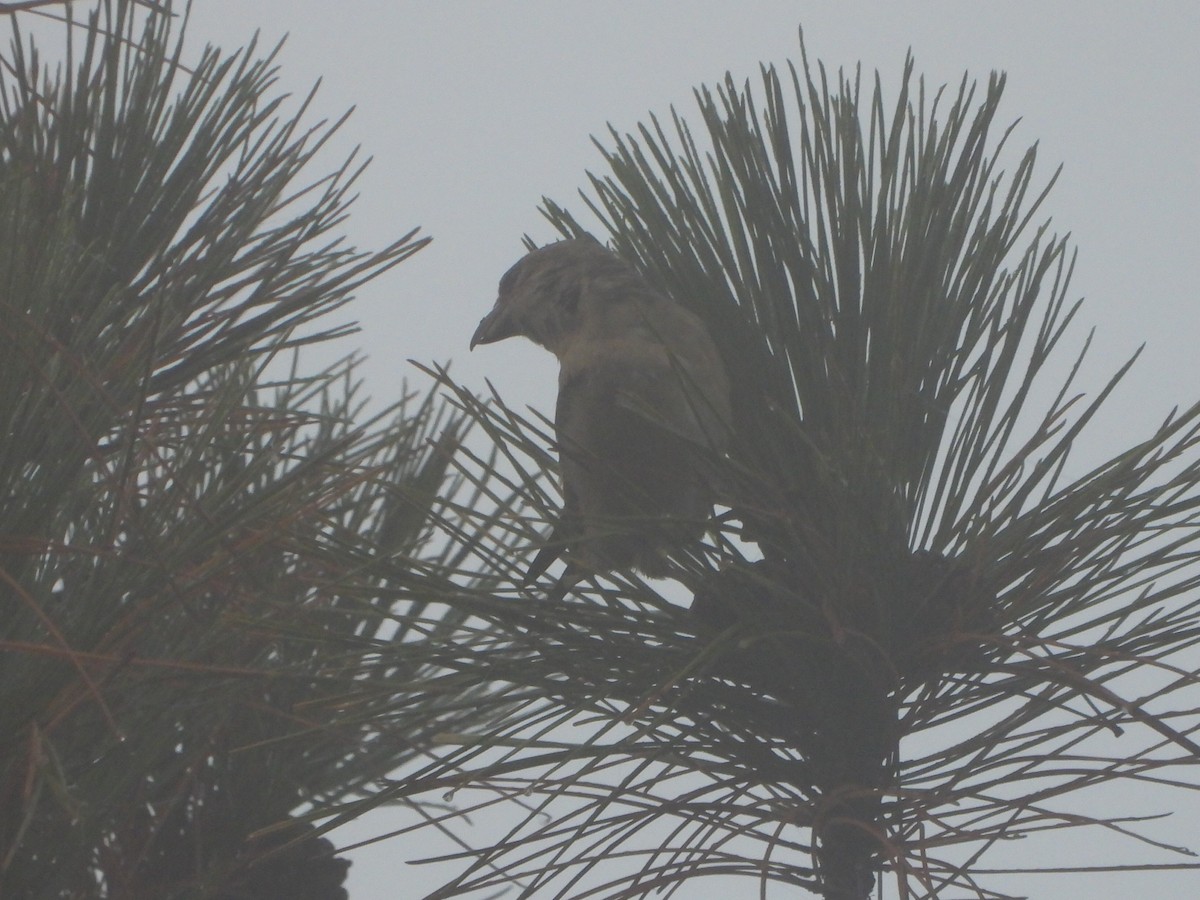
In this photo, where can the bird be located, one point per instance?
(643, 406)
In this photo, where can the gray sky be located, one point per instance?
(473, 111)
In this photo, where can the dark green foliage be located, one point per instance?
(909, 558)
(197, 543)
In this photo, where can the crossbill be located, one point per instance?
(643, 404)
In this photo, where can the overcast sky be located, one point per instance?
(473, 111)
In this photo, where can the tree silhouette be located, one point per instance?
(918, 628)
(239, 611)
(198, 535)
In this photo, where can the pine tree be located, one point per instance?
(199, 536)
(918, 625)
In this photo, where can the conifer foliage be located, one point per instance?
(238, 609)
(196, 532)
(920, 628)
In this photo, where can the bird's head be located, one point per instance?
(540, 296)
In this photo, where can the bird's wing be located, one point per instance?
(565, 531)
(634, 410)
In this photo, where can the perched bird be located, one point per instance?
(643, 403)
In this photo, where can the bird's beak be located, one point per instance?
(495, 326)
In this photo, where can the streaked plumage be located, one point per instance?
(643, 400)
